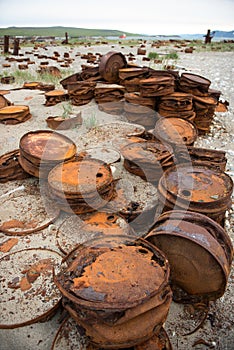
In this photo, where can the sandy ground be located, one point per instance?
(218, 329)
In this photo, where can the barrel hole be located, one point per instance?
(185, 139)
(143, 251)
(99, 175)
(110, 217)
(186, 193)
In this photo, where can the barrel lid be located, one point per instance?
(196, 78)
(175, 131)
(48, 145)
(80, 176)
(54, 93)
(197, 184)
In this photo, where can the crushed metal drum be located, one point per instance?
(157, 86)
(25, 207)
(196, 188)
(194, 84)
(147, 159)
(130, 77)
(108, 93)
(158, 341)
(199, 251)
(110, 64)
(113, 319)
(178, 104)
(202, 156)
(79, 229)
(205, 110)
(55, 96)
(175, 131)
(10, 169)
(41, 150)
(70, 79)
(14, 114)
(8, 79)
(81, 92)
(28, 293)
(59, 123)
(81, 186)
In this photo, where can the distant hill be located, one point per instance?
(60, 32)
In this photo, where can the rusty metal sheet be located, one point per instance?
(109, 316)
(178, 104)
(4, 102)
(158, 341)
(199, 252)
(205, 109)
(108, 93)
(110, 64)
(41, 150)
(197, 188)
(70, 79)
(175, 131)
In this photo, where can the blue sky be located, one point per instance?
(144, 17)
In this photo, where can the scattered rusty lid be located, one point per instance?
(80, 176)
(96, 268)
(31, 85)
(55, 93)
(198, 185)
(79, 229)
(110, 64)
(27, 289)
(175, 131)
(13, 111)
(126, 73)
(47, 146)
(199, 264)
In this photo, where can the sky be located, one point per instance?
(152, 17)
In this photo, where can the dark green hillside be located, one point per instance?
(60, 31)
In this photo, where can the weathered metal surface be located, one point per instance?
(10, 169)
(157, 86)
(194, 84)
(81, 92)
(70, 79)
(110, 64)
(178, 104)
(199, 251)
(59, 123)
(55, 96)
(196, 188)
(113, 107)
(147, 159)
(201, 156)
(41, 150)
(26, 287)
(175, 131)
(14, 114)
(205, 109)
(81, 186)
(158, 341)
(113, 319)
(108, 93)
(7, 80)
(136, 98)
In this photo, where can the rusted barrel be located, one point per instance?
(196, 188)
(178, 104)
(147, 159)
(199, 251)
(205, 109)
(14, 114)
(194, 84)
(113, 318)
(81, 186)
(55, 96)
(81, 93)
(157, 86)
(41, 150)
(110, 64)
(10, 169)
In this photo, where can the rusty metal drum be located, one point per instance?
(110, 64)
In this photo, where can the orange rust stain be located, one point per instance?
(8, 245)
(25, 284)
(12, 224)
